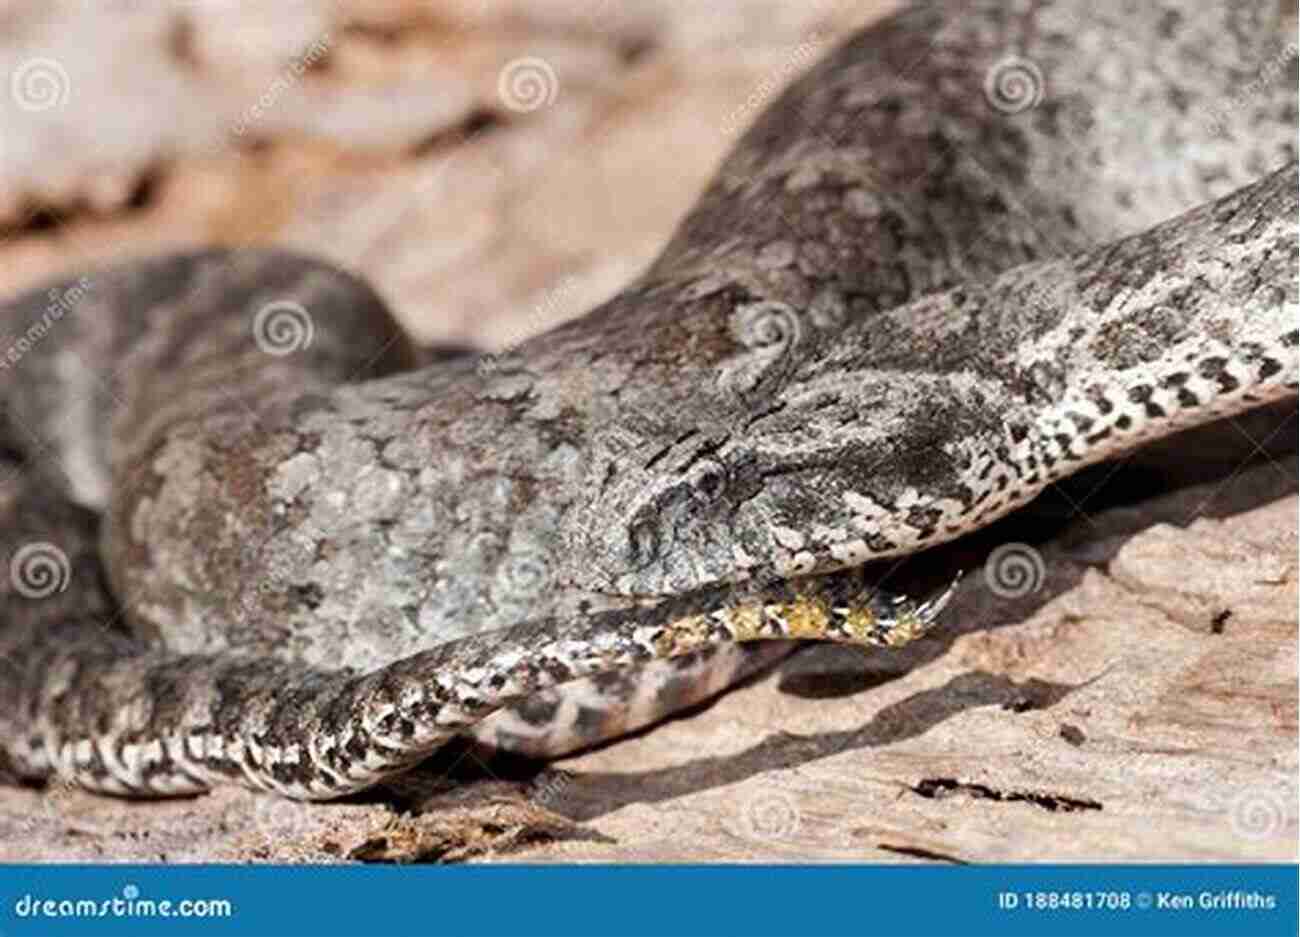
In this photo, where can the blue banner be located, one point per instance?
(603, 901)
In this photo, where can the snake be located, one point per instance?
(254, 535)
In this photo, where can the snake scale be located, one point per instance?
(973, 249)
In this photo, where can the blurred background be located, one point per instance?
(491, 166)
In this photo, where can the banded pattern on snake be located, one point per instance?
(909, 301)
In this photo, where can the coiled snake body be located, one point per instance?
(973, 250)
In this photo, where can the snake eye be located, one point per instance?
(711, 480)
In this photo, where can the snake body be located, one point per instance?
(971, 251)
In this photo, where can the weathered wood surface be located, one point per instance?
(1140, 704)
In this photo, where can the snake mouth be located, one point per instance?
(850, 606)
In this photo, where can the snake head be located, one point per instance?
(843, 473)
(667, 525)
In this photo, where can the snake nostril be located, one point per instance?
(644, 543)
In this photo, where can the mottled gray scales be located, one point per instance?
(969, 252)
